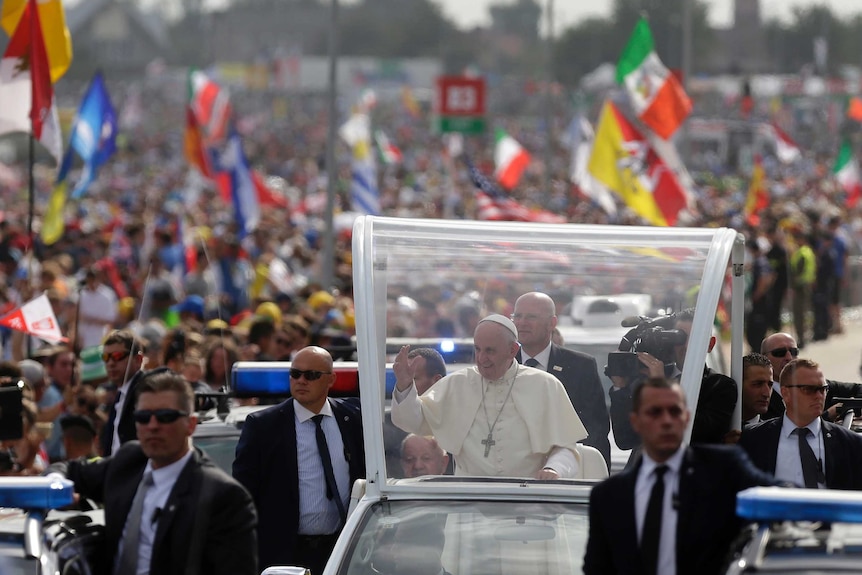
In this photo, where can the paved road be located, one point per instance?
(840, 355)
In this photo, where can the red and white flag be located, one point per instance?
(210, 104)
(510, 159)
(786, 150)
(36, 317)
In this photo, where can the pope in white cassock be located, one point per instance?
(497, 418)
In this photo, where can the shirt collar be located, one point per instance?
(753, 420)
(543, 357)
(674, 462)
(168, 473)
(303, 414)
(787, 426)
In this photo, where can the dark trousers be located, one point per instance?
(313, 551)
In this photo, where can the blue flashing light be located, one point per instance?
(390, 381)
(447, 346)
(786, 504)
(51, 492)
(260, 378)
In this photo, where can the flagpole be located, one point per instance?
(31, 208)
(331, 171)
(549, 57)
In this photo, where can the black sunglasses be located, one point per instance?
(782, 351)
(143, 416)
(310, 374)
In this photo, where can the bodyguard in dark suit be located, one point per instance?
(281, 461)
(535, 317)
(123, 357)
(674, 511)
(167, 506)
(826, 456)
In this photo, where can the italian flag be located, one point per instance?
(389, 152)
(846, 171)
(655, 94)
(510, 159)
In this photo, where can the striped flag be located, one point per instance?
(52, 19)
(510, 159)
(494, 205)
(243, 192)
(846, 171)
(364, 195)
(210, 104)
(389, 152)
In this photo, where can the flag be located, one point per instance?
(242, 188)
(389, 152)
(197, 154)
(36, 317)
(786, 150)
(510, 159)
(846, 171)
(758, 195)
(94, 132)
(408, 100)
(624, 161)
(58, 41)
(854, 109)
(53, 222)
(656, 95)
(26, 94)
(356, 131)
(210, 104)
(493, 204)
(581, 137)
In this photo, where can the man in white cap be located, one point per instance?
(498, 417)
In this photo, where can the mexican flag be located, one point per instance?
(655, 94)
(510, 159)
(624, 161)
(846, 171)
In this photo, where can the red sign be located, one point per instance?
(460, 96)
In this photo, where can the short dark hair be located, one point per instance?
(434, 362)
(755, 359)
(789, 371)
(166, 380)
(260, 328)
(79, 428)
(654, 383)
(125, 338)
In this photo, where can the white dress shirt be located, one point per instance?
(643, 490)
(788, 463)
(317, 514)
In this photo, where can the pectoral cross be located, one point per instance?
(488, 443)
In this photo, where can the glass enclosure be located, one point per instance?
(432, 280)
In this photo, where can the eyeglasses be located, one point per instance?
(674, 411)
(115, 355)
(527, 316)
(810, 389)
(782, 351)
(143, 416)
(310, 374)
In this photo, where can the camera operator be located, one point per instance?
(660, 346)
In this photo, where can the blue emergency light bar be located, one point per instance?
(51, 492)
(271, 378)
(765, 504)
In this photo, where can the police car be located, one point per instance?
(798, 531)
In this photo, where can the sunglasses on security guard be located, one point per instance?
(782, 351)
(143, 416)
(115, 355)
(310, 374)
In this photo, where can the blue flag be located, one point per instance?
(243, 191)
(94, 132)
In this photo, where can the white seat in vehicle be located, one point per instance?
(593, 465)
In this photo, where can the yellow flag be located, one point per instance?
(618, 161)
(53, 223)
(58, 41)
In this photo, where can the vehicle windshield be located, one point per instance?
(478, 537)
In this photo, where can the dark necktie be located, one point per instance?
(328, 473)
(108, 430)
(531, 362)
(810, 467)
(128, 562)
(651, 534)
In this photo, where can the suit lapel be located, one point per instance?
(832, 451)
(685, 495)
(289, 438)
(180, 501)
